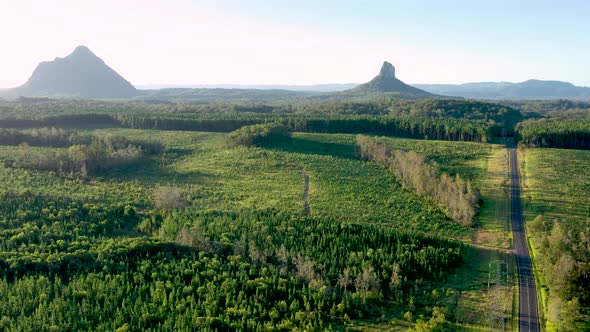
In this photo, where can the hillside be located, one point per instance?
(81, 74)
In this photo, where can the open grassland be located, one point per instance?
(218, 178)
(557, 183)
(340, 185)
(465, 158)
(494, 220)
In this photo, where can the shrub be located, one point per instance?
(260, 134)
(168, 197)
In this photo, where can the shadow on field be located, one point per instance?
(307, 146)
(152, 171)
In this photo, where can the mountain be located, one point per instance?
(531, 89)
(80, 74)
(537, 89)
(387, 83)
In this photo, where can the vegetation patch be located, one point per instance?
(455, 195)
(203, 234)
(259, 135)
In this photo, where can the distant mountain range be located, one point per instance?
(385, 83)
(216, 94)
(298, 88)
(84, 75)
(531, 89)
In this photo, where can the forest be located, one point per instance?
(549, 133)
(422, 128)
(431, 119)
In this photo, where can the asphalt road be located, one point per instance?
(528, 314)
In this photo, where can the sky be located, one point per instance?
(186, 42)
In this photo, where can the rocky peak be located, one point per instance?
(386, 82)
(82, 52)
(387, 70)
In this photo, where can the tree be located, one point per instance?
(367, 282)
(344, 280)
(166, 197)
(396, 279)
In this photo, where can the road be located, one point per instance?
(528, 314)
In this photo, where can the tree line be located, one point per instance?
(74, 152)
(421, 128)
(411, 127)
(59, 138)
(569, 133)
(372, 105)
(455, 195)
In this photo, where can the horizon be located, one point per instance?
(252, 43)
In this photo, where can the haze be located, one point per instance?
(285, 42)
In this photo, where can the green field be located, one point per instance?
(214, 177)
(557, 185)
(243, 218)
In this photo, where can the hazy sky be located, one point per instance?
(302, 41)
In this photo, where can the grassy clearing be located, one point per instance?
(233, 179)
(557, 184)
(465, 158)
(475, 300)
(494, 223)
(479, 303)
(217, 178)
